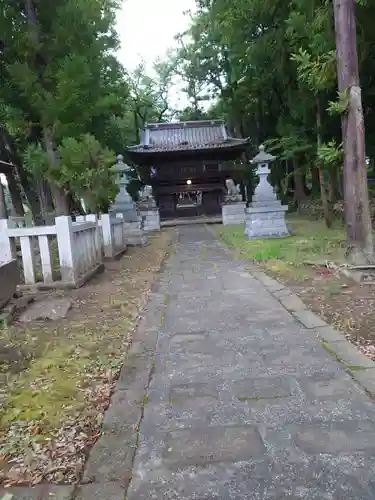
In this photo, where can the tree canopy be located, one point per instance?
(267, 67)
(64, 90)
(271, 67)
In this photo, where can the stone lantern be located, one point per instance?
(124, 203)
(265, 217)
(125, 208)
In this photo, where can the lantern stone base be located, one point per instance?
(151, 219)
(266, 221)
(233, 214)
(135, 234)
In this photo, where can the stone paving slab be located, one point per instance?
(100, 491)
(111, 459)
(202, 446)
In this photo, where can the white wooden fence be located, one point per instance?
(65, 254)
(114, 235)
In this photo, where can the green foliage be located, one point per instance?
(318, 72)
(62, 81)
(36, 161)
(340, 106)
(149, 96)
(270, 70)
(86, 168)
(330, 154)
(289, 146)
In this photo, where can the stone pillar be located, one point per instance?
(149, 210)
(233, 214)
(233, 208)
(265, 217)
(151, 219)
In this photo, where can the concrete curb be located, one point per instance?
(108, 470)
(356, 363)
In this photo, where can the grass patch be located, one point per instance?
(55, 381)
(258, 398)
(310, 242)
(355, 368)
(333, 288)
(330, 351)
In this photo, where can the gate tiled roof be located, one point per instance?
(180, 136)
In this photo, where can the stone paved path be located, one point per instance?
(244, 401)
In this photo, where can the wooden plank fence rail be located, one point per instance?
(112, 234)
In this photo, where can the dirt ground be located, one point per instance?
(344, 304)
(56, 377)
(300, 262)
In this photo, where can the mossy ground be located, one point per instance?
(310, 241)
(59, 372)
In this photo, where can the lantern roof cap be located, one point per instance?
(262, 156)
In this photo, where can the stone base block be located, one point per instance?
(269, 224)
(151, 219)
(233, 214)
(9, 279)
(135, 235)
(128, 213)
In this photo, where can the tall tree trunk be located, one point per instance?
(3, 207)
(315, 181)
(333, 184)
(61, 200)
(24, 179)
(323, 191)
(15, 193)
(357, 212)
(31, 194)
(58, 193)
(75, 205)
(299, 187)
(46, 200)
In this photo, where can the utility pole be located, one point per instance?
(357, 213)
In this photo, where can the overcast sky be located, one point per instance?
(147, 29)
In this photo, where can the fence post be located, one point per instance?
(65, 243)
(46, 258)
(28, 259)
(98, 249)
(7, 246)
(107, 236)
